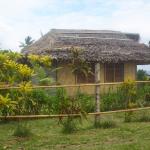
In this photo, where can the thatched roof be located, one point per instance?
(97, 45)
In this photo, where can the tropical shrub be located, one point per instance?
(70, 125)
(86, 101)
(65, 104)
(143, 94)
(19, 70)
(129, 91)
(6, 105)
(124, 97)
(112, 101)
(41, 101)
(78, 65)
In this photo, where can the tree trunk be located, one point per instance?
(97, 93)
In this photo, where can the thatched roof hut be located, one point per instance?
(97, 46)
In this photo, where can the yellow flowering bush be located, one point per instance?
(24, 71)
(10, 64)
(3, 58)
(8, 69)
(34, 58)
(25, 87)
(129, 90)
(14, 70)
(6, 104)
(45, 60)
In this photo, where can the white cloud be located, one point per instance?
(17, 20)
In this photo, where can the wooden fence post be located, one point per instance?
(97, 93)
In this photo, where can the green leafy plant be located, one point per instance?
(70, 125)
(68, 105)
(129, 90)
(19, 70)
(78, 65)
(42, 101)
(86, 101)
(144, 95)
(6, 105)
(112, 101)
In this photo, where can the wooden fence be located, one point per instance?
(22, 117)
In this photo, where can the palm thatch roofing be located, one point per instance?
(97, 46)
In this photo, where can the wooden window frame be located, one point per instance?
(114, 72)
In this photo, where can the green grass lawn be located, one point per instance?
(47, 135)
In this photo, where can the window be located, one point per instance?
(114, 72)
(81, 78)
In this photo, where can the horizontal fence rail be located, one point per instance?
(30, 117)
(4, 87)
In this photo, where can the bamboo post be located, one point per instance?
(97, 93)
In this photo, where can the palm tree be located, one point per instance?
(28, 41)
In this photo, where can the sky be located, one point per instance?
(20, 18)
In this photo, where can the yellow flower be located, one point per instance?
(45, 60)
(25, 71)
(10, 64)
(25, 87)
(3, 57)
(7, 102)
(34, 58)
